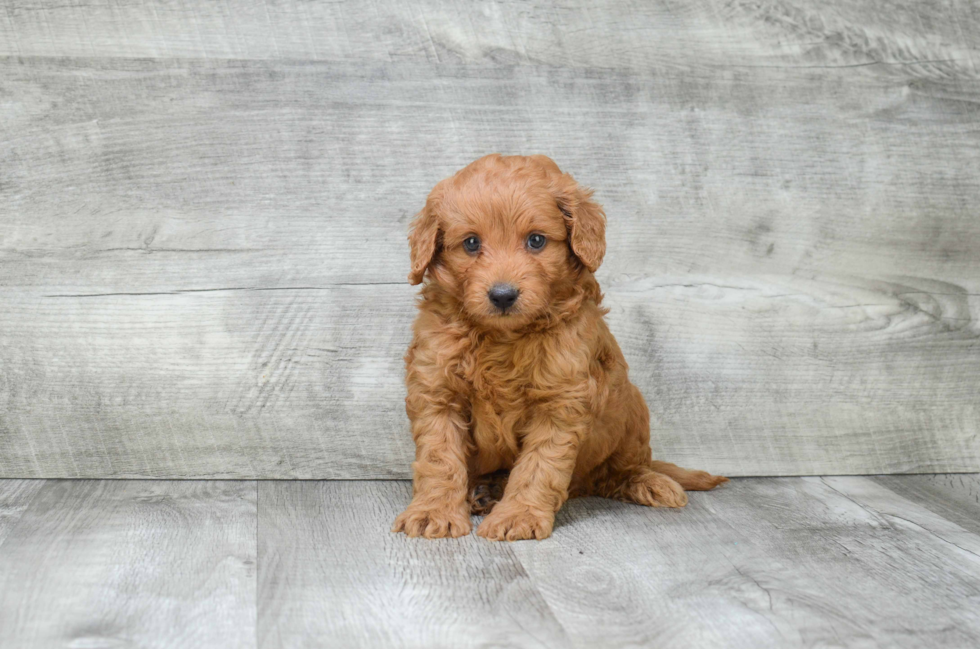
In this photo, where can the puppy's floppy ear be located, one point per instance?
(423, 238)
(585, 220)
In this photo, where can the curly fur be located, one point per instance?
(530, 406)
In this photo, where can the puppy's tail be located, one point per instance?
(690, 479)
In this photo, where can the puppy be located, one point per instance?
(512, 367)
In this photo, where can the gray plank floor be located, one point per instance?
(764, 562)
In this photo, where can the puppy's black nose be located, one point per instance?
(503, 296)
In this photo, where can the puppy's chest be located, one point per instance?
(501, 380)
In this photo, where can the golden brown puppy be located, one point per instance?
(512, 367)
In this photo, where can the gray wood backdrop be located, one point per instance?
(203, 210)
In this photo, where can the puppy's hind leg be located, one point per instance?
(660, 484)
(690, 479)
(486, 492)
(627, 474)
(654, 484)
(630, 475)
(641, 485)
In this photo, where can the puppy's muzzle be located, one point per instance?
(503, 296)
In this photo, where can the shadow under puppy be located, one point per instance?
(512, 367)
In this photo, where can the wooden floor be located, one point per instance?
(770, 562)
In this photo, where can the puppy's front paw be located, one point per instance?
(514, 523)
(434, 522)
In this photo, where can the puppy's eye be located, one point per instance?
(536, 241)
(471, 244)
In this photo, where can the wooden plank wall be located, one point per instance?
(203, 209)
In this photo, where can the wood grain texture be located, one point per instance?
(758, 563)
(15, 496)
(202, 255)
(953, 496)
(777, 562)
(331, 574)
(130, 563)
(786, 562)
(931, 37)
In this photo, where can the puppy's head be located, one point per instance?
(508, 238)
